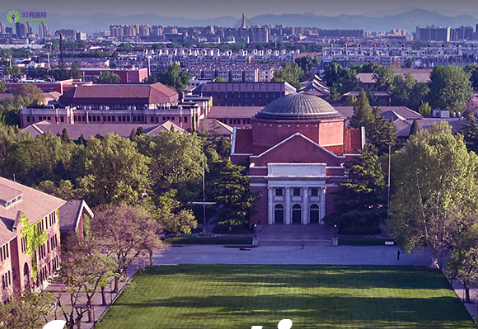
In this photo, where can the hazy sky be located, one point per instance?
(214, 8)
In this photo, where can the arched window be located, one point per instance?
(314, 214)
(296, 214)
(279, 214)
(26, 276)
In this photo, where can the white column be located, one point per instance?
(305, 207)
(287, 206)
(270, 216)
(322, 205)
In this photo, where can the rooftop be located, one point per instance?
(299, 107)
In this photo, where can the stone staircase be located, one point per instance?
(293, 235)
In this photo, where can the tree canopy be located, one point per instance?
(109, 77)
(291, 73)
(450, 88)
(435, 189)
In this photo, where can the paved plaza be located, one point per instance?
(330, 255)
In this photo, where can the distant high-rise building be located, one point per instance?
(8, 30)
(29, 29)
(244, 21)
(461, 33)
(434, 33)
(42, 31)
(21, 30)
(2, 28)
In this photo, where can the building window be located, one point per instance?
(278, 191)
(279, 214)
(314, 192)
(296, 214)
(297, 192)
(62, 119)
(28, 118)
(185, 119)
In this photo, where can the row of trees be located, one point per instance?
(449, 87)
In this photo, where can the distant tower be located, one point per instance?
(244, 21)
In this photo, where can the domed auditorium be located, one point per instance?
(296, 151)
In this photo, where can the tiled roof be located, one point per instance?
(69, 213)
(243, 141)
(98, 93)
(35, 205)
(401, 111)
(234, 111)
(8, 194)
(89, 130)
(217, 127)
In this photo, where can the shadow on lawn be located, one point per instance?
(303, 276)
(443, 312)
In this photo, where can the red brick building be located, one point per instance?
(18, 266)
(296, 148)
(121, 104)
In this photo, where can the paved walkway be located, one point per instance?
(339, 255)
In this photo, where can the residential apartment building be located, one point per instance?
(23, 209)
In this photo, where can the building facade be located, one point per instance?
(296, 148)
(22, 264)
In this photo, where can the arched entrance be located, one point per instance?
(279, 214)
(26, 276)
(314, 214)
(296, 214)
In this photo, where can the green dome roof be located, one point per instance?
(299, 107)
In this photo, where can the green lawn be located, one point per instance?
(240, 296)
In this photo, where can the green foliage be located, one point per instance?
(291, 73)
(414, 128)
(425, 109)
(472, 71)
(401, 88)
(360, 204)
(174, 77)
(362, 116)
(381, 133)
(115, 171)
(3, 87)
(33, 240)
(469, 129)
(450, 88)
(341, 80)
(32, 92)
(307, 63)
(28, 310)
(435, 189)
(418, 96)
(109, 77)
(235, 203)
(384, 75)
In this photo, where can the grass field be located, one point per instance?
(241, 296)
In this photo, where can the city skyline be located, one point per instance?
(215, 8)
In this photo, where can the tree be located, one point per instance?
(472, 71)
(469, 129)
(450, 88)
(75, 71)
(381, 133)
(414, 128)
(435, 188)
(359, 206)
(307, 63)
(109, 77)
(425, 109)
(34, 94)
(463, 262)
(408, 63)
(3, 87)
(14, 71)
(291, 73)
(29, 310)
(401, 88)
(235, 202)
(61, 73)
(471, 107)
(341, 80)
(125, 233)
(115, 171)
(176, 163)
(64, 136)
(384, 75)
(418, 95)
(362, 116)
(174, 77)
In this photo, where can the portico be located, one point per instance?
(296, 193)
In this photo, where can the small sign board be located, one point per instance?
(389, 243)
